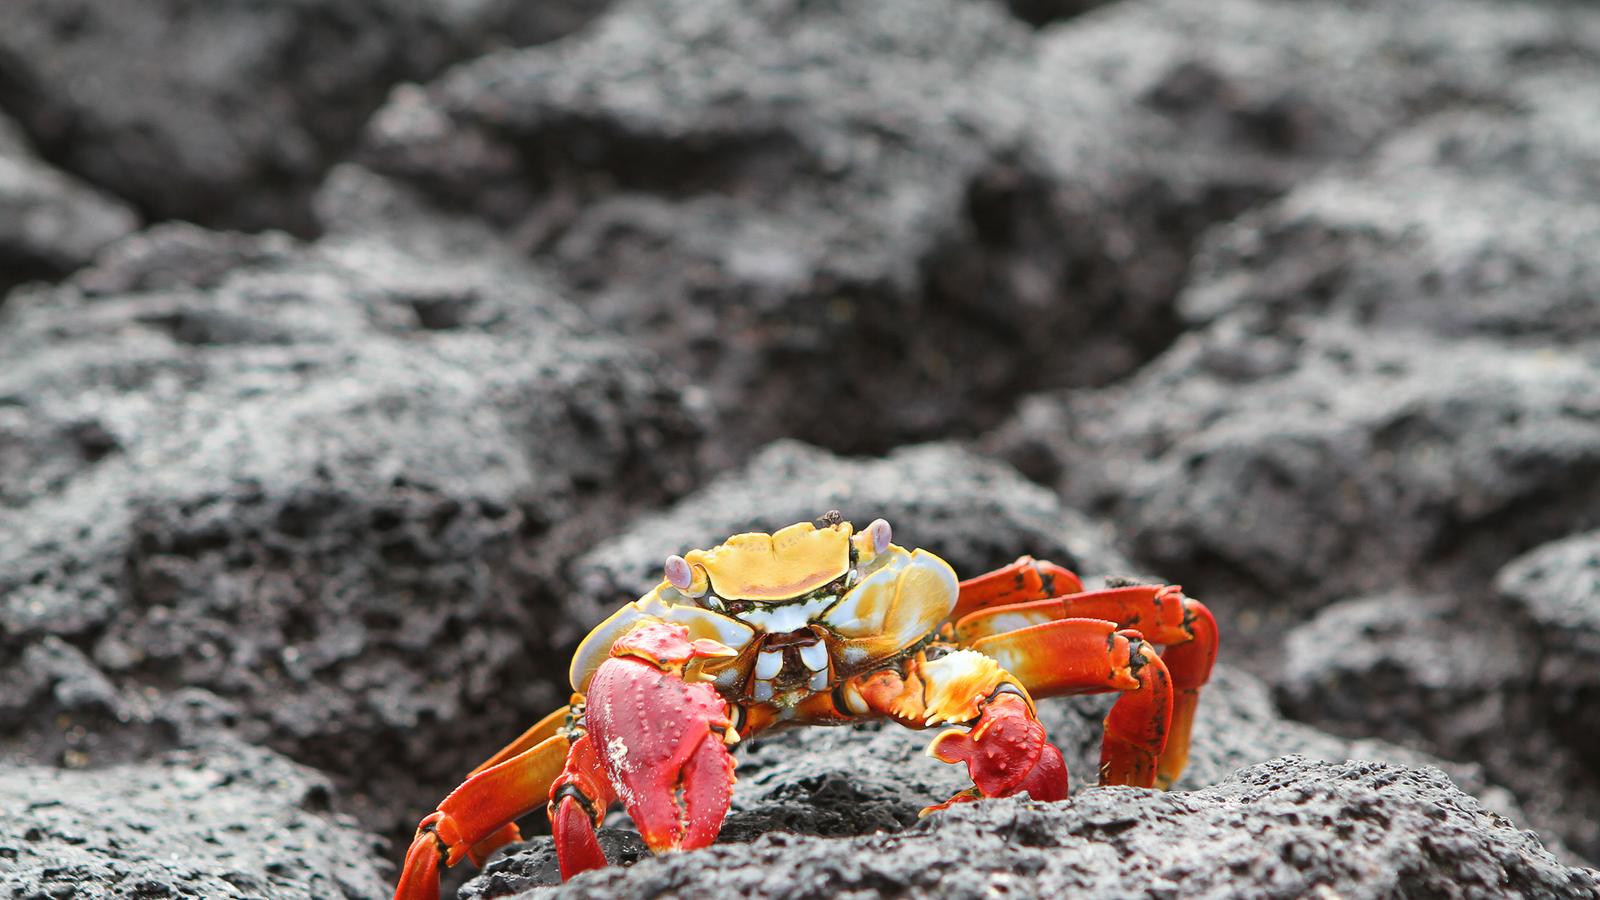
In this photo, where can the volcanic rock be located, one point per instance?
(231, 822)
(226, 112)
(322, 485)
(1284, 828)
(50, 223)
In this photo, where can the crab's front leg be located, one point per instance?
(655, 738)
(1005, 748)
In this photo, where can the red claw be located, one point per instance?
(1006, 754)
(660, 738)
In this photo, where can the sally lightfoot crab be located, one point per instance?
(817, 624)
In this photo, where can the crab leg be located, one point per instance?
(1087, 656)
(1162, 615)
(478, 812)
(1025, 579)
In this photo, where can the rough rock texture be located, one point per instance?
(231, 822)
(1285, 828)
(867, 223)
(1472, 223)
(50, 223)
(320, 483)
(1455, 678)
(227, 112)
(1554, 593)
(1288, 469)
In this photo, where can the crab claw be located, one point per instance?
(662, 738)
(1006, 754)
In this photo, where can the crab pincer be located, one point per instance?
(659, 733)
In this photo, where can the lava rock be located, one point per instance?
(324, 484)
(872, 223)
(227, 113)
(1476, 222)
(1285, 828)
(230, 822)
(1453, 678)
(50, 223)
(1284, 470)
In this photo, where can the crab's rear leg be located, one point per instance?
(1160, 612)
(476, 817)
(1088, 656)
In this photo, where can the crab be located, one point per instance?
(819, 624)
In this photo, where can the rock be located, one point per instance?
(235, 822)
(1284, 828)
(1472, 223)
(870, 224)
(1554, 593)
(976, 513)
(227, 113)
(1284, 470)
(327, 485)
(1452, 678)
(50, 223)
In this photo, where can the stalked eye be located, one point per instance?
(880, 534)
(678, 573)
(873, 540)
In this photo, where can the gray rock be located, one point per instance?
(228, 112)
(1287, 469)
(1285, 828)
(230, 822)
(865, 224)
(327, 485)
(1453, 678)
(50, 223)
(1473, 223)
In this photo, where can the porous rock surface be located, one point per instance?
(1308, 286)
(227, 111)
(912, 209)
(50, 223)
(317, 483)
(1284, 828)
(229, 822)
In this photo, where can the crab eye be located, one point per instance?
(678, 573)
(880, 533)
(873, 540)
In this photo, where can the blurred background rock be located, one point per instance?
(356, 356)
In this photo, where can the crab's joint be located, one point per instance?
(572, 790)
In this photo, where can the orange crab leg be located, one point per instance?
(1087, 656)
(1162, 615)
(1025, 579)
(542, 731)
(477, 812)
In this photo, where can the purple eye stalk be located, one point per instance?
(678, 573)
(873, 540)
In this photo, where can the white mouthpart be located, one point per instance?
(819, 681)
(769, 663)
(788, 617)
(763, 690)
(815, 656)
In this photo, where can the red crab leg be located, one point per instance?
(661, 739)
(1086, 656)
(477, 812)
(1025, 579)
(1162, 615)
